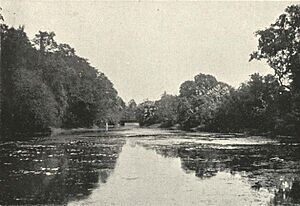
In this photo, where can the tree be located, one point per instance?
(129, 114)
(185, 114)
(187, 89)
(132, 104)
(258, 105)
(45, 41)
(48, 85)
(146, 113)
(279, 44)
(34, 106)
(199, 100)
(204, 83)
(167, 110)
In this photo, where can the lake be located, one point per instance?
(139, 166)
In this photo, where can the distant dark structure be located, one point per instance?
(129, 122)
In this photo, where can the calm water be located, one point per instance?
(149, 167)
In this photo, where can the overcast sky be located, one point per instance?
(146, 48)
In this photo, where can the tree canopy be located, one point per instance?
(45, 84)
(279, 45)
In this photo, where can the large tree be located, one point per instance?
(279, 45)
(254, 106)
(45, 84)
(199, 100)
(167, 110)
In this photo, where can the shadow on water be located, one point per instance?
(75, 169)
(271, 166)
(41, 172)
(143, 177)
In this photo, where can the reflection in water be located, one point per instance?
(275, 167)
(149, 170)
(55, 173)
(142, 177)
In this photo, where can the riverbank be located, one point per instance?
(60, 131)
(52, 132)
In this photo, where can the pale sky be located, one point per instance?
(146, 48)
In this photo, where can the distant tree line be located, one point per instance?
(268, 103)
(195, 106)
(205, 104)
(129, 113)
(45, 84)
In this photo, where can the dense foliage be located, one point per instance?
(194, 107)
(45, 84)
(258, 105)
(263, 104)
(129, 113)
(163, 111)
(279, 45)
(205, 104)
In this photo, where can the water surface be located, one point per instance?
(150, 167)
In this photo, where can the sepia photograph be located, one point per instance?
(149, 103)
